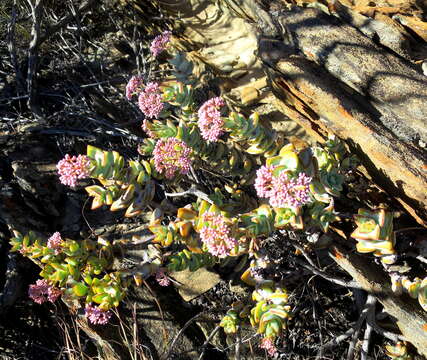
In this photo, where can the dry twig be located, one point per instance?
(209, 338)
(64, 21)
(180, 332)
(36, 10)
(191, 191)
(12, 49)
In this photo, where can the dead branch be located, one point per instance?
(36, 10)
(371, 322)
(64, 21)
(409, 315)
(191, 191)
(331, 278)
(238, 345)
(178, 335)
(355, 337)
(12, 50)
(370, 303)
(209, 338)
(334, 342)
(302, 85)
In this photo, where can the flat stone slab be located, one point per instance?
(194, 284)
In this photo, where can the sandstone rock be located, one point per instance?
(395, 89)
(195, 283)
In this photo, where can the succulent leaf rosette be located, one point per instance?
(255, 137)
(374, 234)
(123, 185)
(399, 351)
(235, 317)
(230, 322)
(271, 312)
(416, 288)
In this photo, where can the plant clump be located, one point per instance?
(297, 189)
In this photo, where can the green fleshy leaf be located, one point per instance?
(80, 289)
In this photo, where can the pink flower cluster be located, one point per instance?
(72, 168)
(216, 236)
(268, 345)
(162, 278)
(55, 242)
(159, 43)
(150, 100)
(134, 86)
(210, 121)
(264, 181)
(96, 315)
(172, 156)
(41, 292)
(282, 190)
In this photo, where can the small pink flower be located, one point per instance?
(268, 345)
(37, 292)
(53, 294)
(41, 292)
(172, 156)
(159, 43)
(162, 278)
(263, 181)
(55, 242)
(72, 168)
(134, 86)
(210, 121)
(288, 192)
(216, 236)
(150, 100)
(96, 315)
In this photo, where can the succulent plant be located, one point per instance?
(179, 231)
(81, 270)
(186, 259)
(127, 187)
(147, 147)
(181, 96)
(183, 68)
(319, 168)
(230, 322)
(416, 289)
(398, 351)
(258, 222)
(235, 317)
(122, 187)
(323, 214)
(271, 312)
(374, 233)
(233, 199)
(254, 137)
(107, 291)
